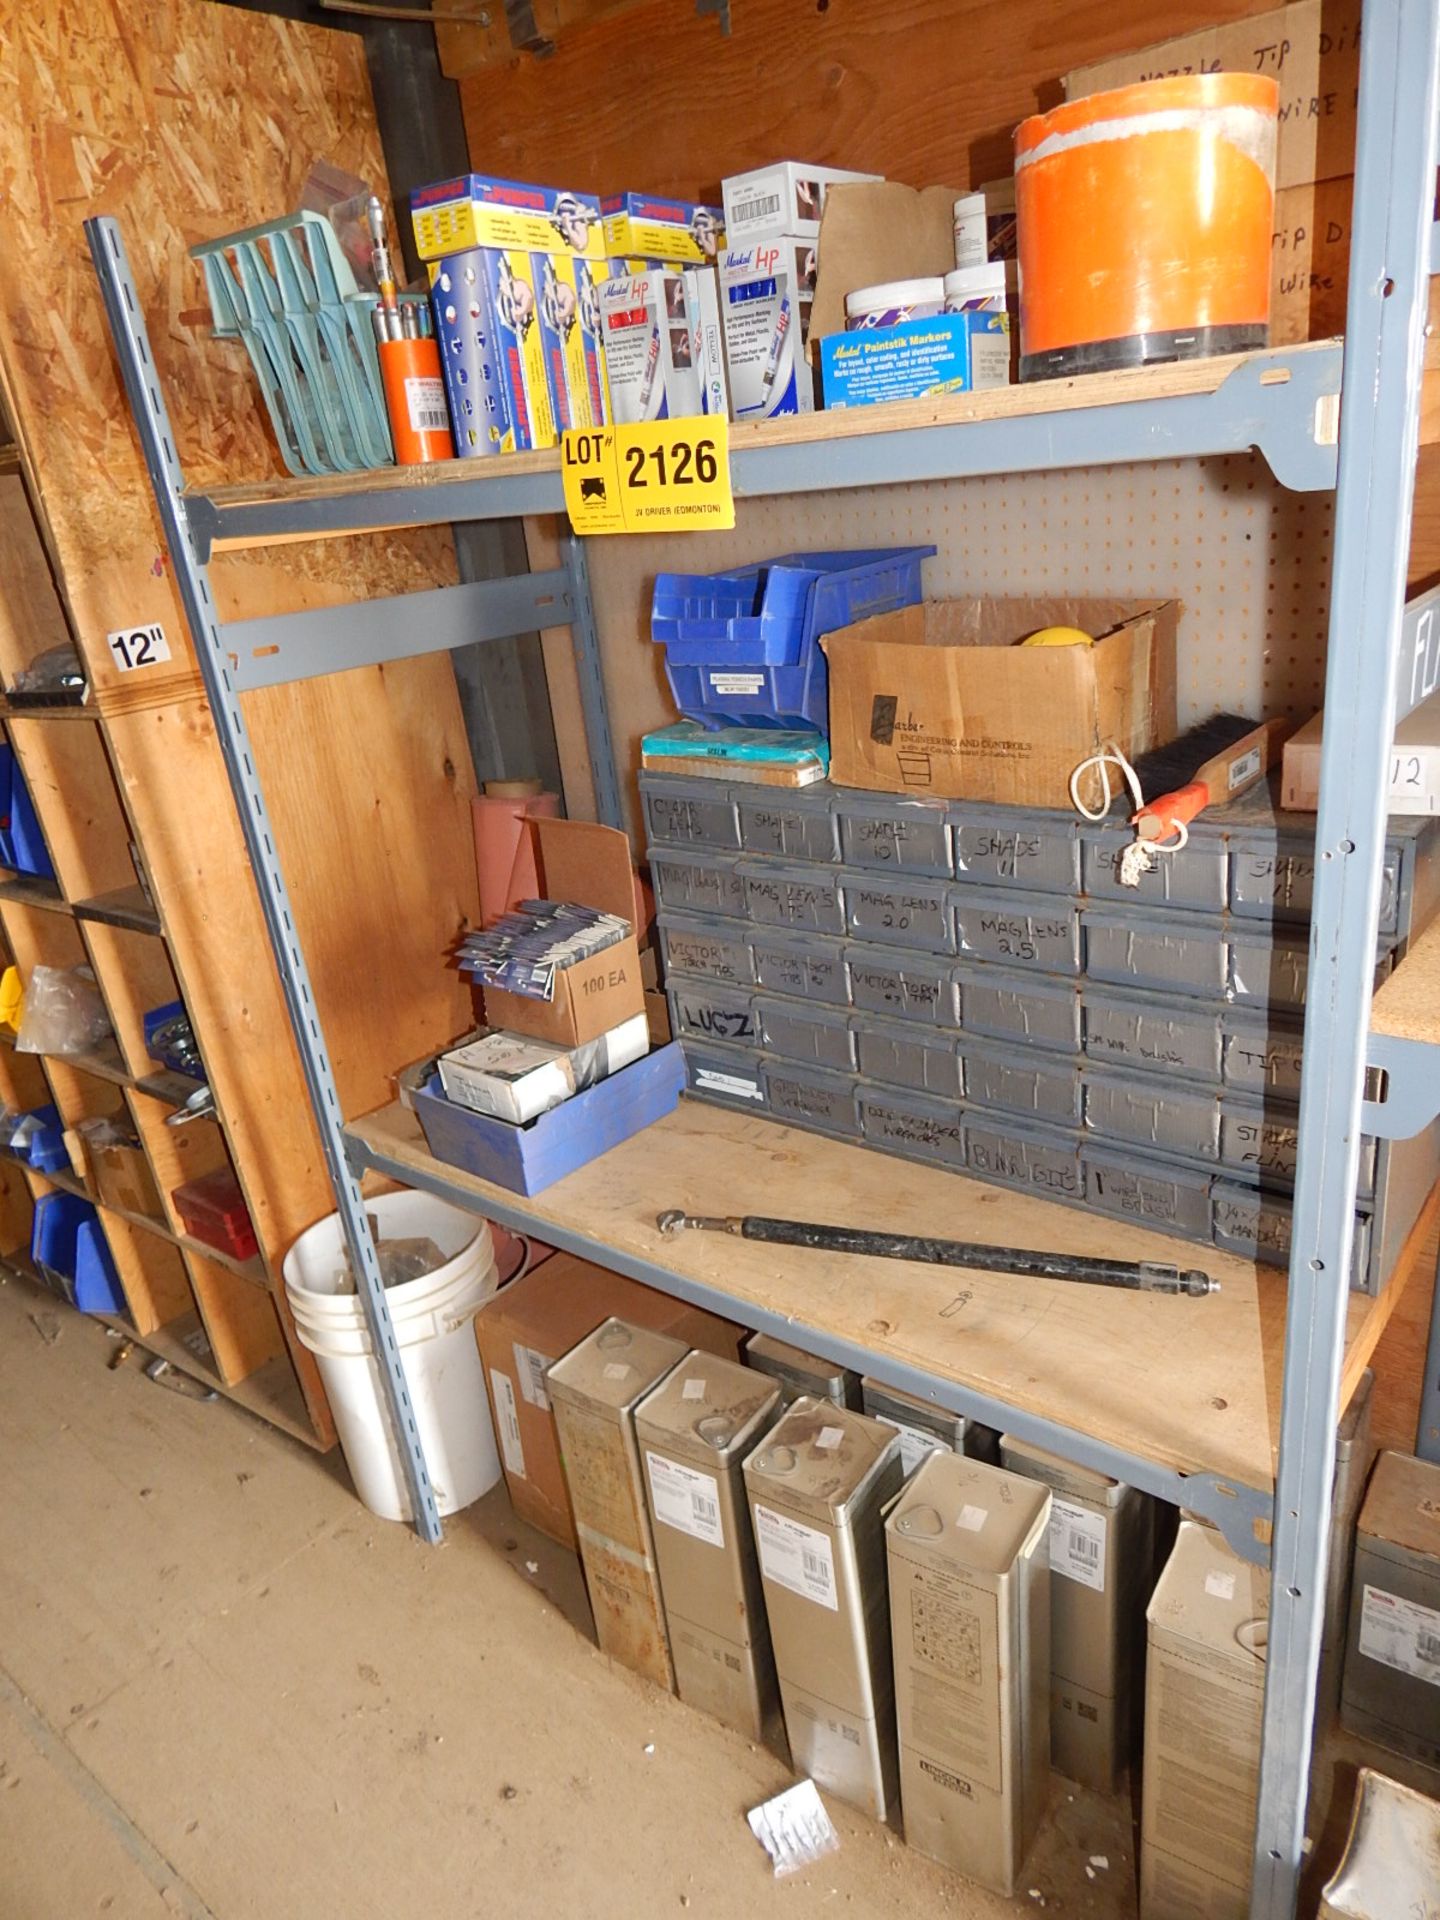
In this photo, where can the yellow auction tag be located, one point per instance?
(659, 476)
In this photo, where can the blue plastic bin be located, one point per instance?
(7, 776)
(742, 649)
(97, 1285)
(54, 1236)
(25, 850)
(45, 1150)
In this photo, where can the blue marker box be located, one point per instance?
(946, 353)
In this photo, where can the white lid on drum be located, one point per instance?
(894, 293)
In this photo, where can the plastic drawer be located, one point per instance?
(818, 1036)
(794, 825)
(689, 813)
(1023, 1083)
(719, 952)
(811, 1097)
(1156, 1031)
(912, 1126)
(804, 898)
(1196, 880)
(1259, 1055)
(896, 834)
(1151, 1112)
(899, 912)
(703, 1009)
(1017, 930)
(1172, 1200)
(903, 986)
(802, 965)
(690, 882)
(1019, 1007)
(909, 1056)
(1014, 1155)
(1008, 846)
(728, 1076)
(1173, 957)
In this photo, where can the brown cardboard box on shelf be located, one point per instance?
(589, 865)
(1312, 49)
(595, 1389)
(1414, 763)
(1391, 1689)
(970, 1614)
(1204, 1688)
(120, 1176)
(874, 233)
(526, 1328)
(939, 699)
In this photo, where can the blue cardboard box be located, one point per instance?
(529, 1158)
(946, 353)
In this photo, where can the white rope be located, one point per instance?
(1138, 858)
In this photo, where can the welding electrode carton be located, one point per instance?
(589, 865)
(1391, 1690)
(595, 1389)
(969, 1606)
(925, 1428)
(818, 1486)
(1204, 1691)
(694, 1431)
(525, 1328)
(795, 1372)
(649, 346)
(1102, 1559)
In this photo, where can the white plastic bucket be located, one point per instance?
(432, 1319)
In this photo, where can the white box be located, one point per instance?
(513, 1077)
(1414, 783)
(649, 347)
(788, 196)
(765, 297)
(702, 292)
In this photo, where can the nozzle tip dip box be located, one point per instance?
(477, 210)
(653, 226)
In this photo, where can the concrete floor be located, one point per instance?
(226, 1690)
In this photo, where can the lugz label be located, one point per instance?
(1077, 1543)
(512, 1452)
(685, 1498)
(796, 1556)
(1401, 1634)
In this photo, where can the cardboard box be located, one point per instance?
(702, 294)
(969, 1604)
(649, 347)
(797, 1372)
(946, 353)
(476, 381)
(1102, 1562)
(1391, 1689)
(531, 1324)
(1389, 1863)
(478, 210)
(1311, 49)
(874, 234)
(694, 1431)
(786, 197)
(516, 1078)
(1414, 763)
(652, 226)
(595, 1389)
(1204, 1692)
(818, 1486)
(938, 698)
(509, 301)
(765, 298)
(120, 1177)
(589, 865)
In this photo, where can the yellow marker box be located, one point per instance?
(475, 210)
(648, 226)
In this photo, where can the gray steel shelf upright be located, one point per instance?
(1281, 403)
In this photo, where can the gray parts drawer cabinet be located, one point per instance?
(902, 985)
(690, 813)
(899, 911)
(893, 834)
(1034, 850)
(803, 965)
(1017, 929)
(799, 897)
(792, 826)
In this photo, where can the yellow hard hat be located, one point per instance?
(1059, 637)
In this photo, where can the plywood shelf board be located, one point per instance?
(28, 890)
(1192, 1385)
(122, 907)
(1407, 1003)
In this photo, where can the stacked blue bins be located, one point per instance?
(743, 649)
(97, 1285)
(43, 1145)
(22, 845)
(53, 1236)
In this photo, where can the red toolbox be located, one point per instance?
(214, 1210)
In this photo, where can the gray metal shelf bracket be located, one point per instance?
(1379, 444)
(137, 366)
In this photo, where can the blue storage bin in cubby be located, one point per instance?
(97, 1285)
(53, 1239)
(44, 1146)
(7, 777)
(27, 843)
(743, 649)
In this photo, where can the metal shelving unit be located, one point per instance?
(1282, 403)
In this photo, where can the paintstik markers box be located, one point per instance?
(595, 1390)
(694, 1431)
(477, 210)
(1102, 1557)
(969, 1606)
(1204, 1693)
(765, 297)
(818, 1486)
(649, 347)
(652, 226)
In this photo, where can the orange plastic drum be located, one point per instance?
(1145, 219)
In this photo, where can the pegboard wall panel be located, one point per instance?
(1248, 561)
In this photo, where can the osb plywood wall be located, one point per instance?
(186, 120)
